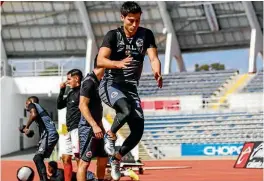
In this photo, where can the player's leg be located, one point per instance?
(100, 168)
(123, 110)
(85, 138)
(40, 156)
(41, 168)
(102, 159)
(136, 131)
(75, 145)
(82, 170)
(66, 157)
(115, 98)
(136, 125)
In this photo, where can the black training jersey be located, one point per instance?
(43, 119)
(89, 89)
(122, 47)
(73, 114)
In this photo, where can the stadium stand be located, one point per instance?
(185, 83)
(202, 128)
(256, 84)
(211, 128)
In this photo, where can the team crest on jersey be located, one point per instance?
(89, 154)
(128, 52)
(114, 94)
(139, 42)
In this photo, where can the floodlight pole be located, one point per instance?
(92, 48)
(256, 40)
(172, 44)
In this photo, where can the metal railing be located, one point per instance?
(45, 67)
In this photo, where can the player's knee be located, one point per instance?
(38, 158)
(66, 159)
(77, 156)
(123, 108)
(139, 125)
(138, 130)
(83, 164)
(101, 162)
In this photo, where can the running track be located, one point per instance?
(202, 170)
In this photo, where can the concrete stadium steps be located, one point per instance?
(234, 85)
(255, 84)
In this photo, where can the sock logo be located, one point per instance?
(89, 154)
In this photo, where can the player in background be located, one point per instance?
(70, 141)
(47, 131)
(91, 128)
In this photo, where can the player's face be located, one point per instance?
(27, 103)
(72, 81)
(131, 22)
(50, 170)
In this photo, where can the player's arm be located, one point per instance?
(32, 116)
(153, 57)
(155, 65)
(83, 106)
(61, 103)
(103, 60)
(85, 95)
(105, 51)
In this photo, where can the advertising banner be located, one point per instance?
(223, 149)
(251, 155)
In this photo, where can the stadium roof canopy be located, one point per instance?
(50, 29)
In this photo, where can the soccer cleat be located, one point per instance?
(109, 145)
(115, 168)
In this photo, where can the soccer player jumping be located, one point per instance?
(122, 54)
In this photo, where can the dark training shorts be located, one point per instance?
(46, 144)
(90, 147)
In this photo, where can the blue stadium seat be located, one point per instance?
(184, 83)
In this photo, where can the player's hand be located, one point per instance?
(159, 80)
(26, 131)
(97, 132)
(49, 174)
(123, 63)
(63, 84)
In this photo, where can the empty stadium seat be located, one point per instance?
(256, 84)
(203, 128)
(184, 83)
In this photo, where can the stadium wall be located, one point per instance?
(246, 101)
(39, 85)
(182, 103)
(12, 110)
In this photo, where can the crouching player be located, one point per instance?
(47, 131)
(91, 129)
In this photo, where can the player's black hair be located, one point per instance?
(95, 61)
(34, 98)
(53, 165)
(76, 72)
(130, 7)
